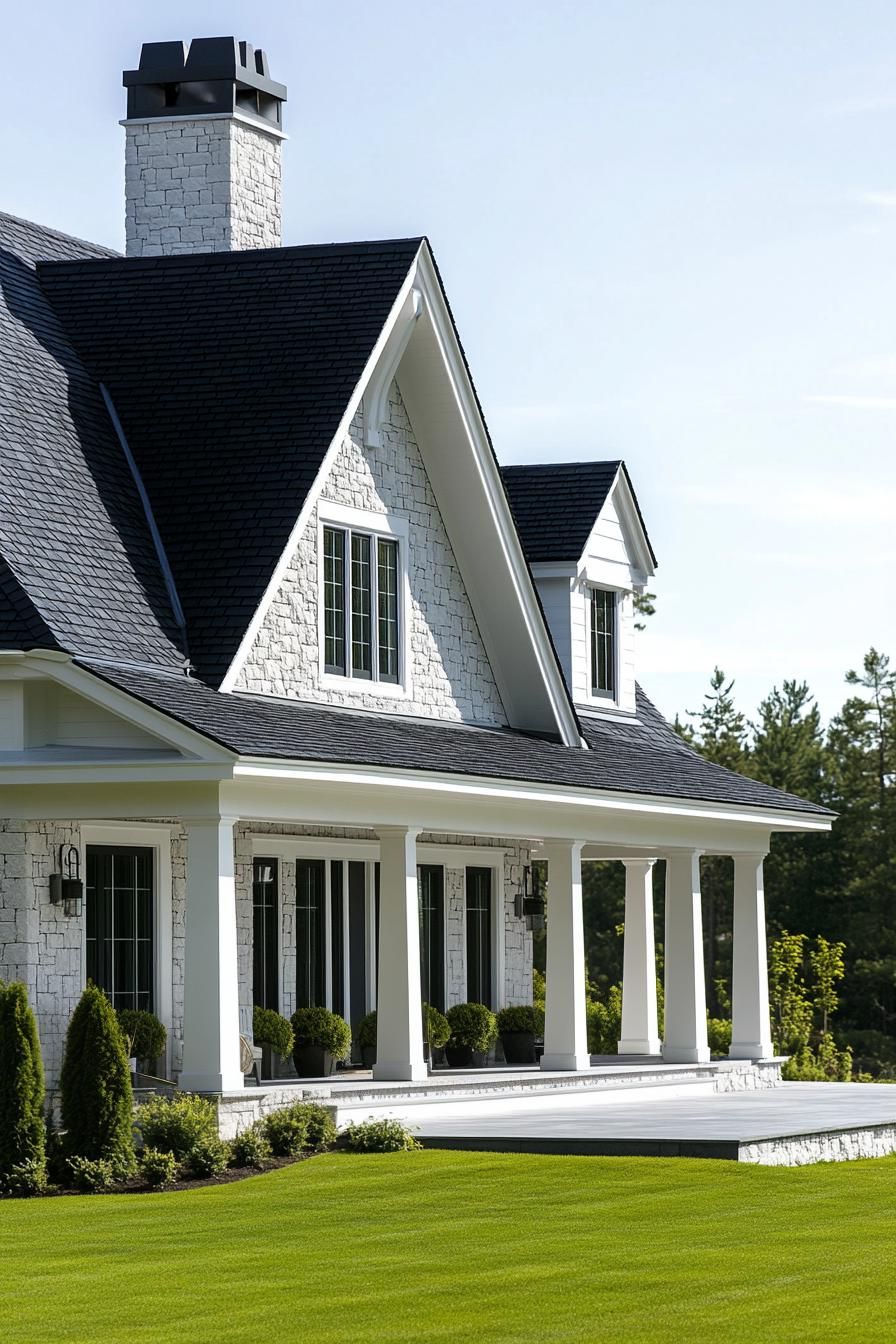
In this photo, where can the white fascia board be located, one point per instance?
(633, 529)
(404, 311)
(16, 775)
(471, 786)
(554, 569)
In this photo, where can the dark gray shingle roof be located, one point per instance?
(555, 505)
(646, 757)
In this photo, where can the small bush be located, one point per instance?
(718, 1030)
(158, 1168)
(208, 1157)
(472, 1025)
(250, 1148)
(379, 1136)
(521, 1017)
(22, 1128)
(286, 1132)
(177, 1124)
(272, 1029)
(93, 1176)
(320, 1027)
(95, 1083)
(436, 1027)
(595, 1021)
(321, 1126)
(145, 1036)
(26, 1178)
(367, 1032)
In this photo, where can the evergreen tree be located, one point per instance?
(22, 1129)
(97, 1101)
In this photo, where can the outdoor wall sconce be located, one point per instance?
(530, 903)
(66, 887)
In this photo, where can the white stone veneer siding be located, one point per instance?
(450, 675)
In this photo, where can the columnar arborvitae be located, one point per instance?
(22, 1130)
(97, 1101)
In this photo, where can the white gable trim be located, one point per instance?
(621, 497)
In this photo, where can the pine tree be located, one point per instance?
(97, 1101)
(22, 1129)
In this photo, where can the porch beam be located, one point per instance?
(565, 1032)
(399, 1022)
(211, 981)
(640, 1032)
(751, 1036)
(685, 1040)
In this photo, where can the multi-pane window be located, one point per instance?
(310, 905)
(603, 642)
(479, 936)
(265, 976)
(361, 598)
(119, 892)
(431, 883)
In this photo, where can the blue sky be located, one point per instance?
(668, 232)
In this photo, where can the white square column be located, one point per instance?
(751, 1034)
(399, 1011)
(565, 1030)
(211, 979)
(639, 1032)
(685, 1040)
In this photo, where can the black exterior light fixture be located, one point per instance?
(530, 901)
(66, 887)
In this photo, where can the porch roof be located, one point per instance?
(641, 756)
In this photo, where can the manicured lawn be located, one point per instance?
(485, 1248)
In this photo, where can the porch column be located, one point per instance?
(640, 1034)
(751, 1035)
(211, 983)
(399, 1021)
(685, 1040)
(565, 1030)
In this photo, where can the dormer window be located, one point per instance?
(361, 626)
(603, 643)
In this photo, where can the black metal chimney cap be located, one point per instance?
(207, 75)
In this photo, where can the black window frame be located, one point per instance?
(431, 889)
(362, 600)
(603, 641)
(113, 957)
(266, 933)
(479, 898)
(310, 936)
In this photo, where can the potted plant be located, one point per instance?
(518, 1027)
(367, 1040)
(145, 1038)
(273, 1033)
(322, 1039)
(436, 1033)
(473, 1033)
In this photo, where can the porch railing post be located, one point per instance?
(565, 1032)
(399, 1022)
(639, 1032)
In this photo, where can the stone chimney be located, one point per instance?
(204, 137)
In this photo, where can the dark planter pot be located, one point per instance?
(313, 1061)
(519, 1047)
(368, 1056)
(464, 1057)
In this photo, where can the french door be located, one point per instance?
(119, 898)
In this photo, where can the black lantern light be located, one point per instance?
(530, 902)
(66, 887)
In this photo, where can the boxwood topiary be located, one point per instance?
(272, 1029)
(145, 1036)
(367, 1032)
(22, 1127)
(436, 1027)
(521, 1017)
(95, 1083)
(472, 1025)
(328, 1031)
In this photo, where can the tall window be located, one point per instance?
(310, 886)
(361, 598)
(603, 642)
(431, 881)
(265, 972)
(479, 936)
(119, 897)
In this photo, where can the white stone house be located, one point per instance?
(291, 674)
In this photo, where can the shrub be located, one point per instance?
(97, 1102)
(145, 1036)
(208, 1157)
(718, 1030)
(320, 1027)
(26, 1178)
(521, 1017)
(272, 1029)
(250, 1148)
(604, 1022)
(379, 1136)
(93, 1176)
(303, 1126)
(595, 1020)
(177, 1124)
(367, 1032)
(472, 1025)
(321, 1125)
(22, 1128)
(436, 1027)
(158, 1168)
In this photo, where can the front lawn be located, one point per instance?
(485, 1248)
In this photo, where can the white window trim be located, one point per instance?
(158, 839)
(375, 525)
(604, 701)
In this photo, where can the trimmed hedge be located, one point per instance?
(22, 1129)
(521, 1017)
(95, 1084)
(472, 1025)
(436, 1027)
(145, 1036)
(318, 1026)
(272, 1029)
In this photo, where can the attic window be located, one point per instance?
(603, 643)
(361, 605)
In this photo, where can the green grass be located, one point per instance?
(450, 1246)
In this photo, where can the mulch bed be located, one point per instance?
(136, 1186)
